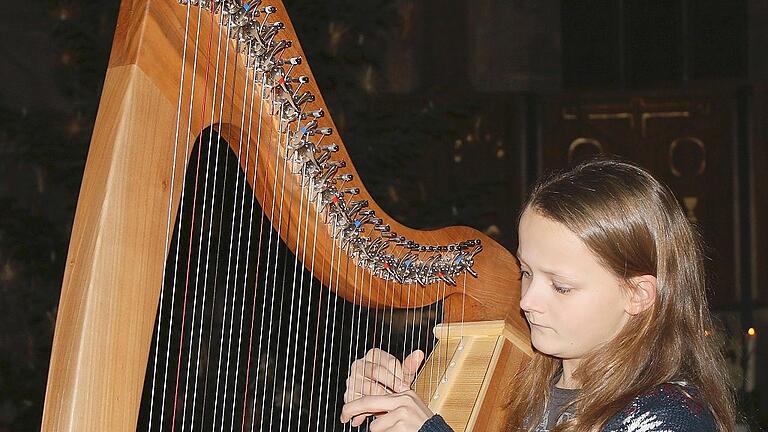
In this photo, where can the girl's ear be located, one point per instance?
(642, 295)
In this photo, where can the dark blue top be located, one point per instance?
(667, 407)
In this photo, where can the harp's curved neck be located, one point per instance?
(153, 42)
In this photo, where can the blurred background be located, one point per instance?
(450, 110)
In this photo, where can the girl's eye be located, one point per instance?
(525, 274)
(560, 289)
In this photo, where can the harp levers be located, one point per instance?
(227, 265)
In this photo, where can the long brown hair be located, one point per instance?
(634, 226)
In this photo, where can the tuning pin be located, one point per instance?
(355, 206)
(311, 125)
(318, 113)
(337, 164)
(345, 177)
(449, 280)
(304, 98)
(333, 148)
(252, 6)
(352, 191)
(240, 17)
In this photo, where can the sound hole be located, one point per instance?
(245, 337)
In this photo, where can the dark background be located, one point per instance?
(450, 109)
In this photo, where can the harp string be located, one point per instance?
(192, 224)
(274, 278)
(333, 334)
(284, 129)
(168, 235)
(367, 322)
(301, 293)
(306, 338)
(384, 322)
(299, 308)
(262, 95)
(211, 217)
(323, 410)
(391, 322)
(219, 231)
(354, 335)
(432, 363)
(325, 333)
(414, 344)
(229, 268)
(258, 259)
(268, 261)
(406, 341)
(421, 316)
(447, 318)
(250, 231)
(252, 81)
(435, 378)
(191, 238)
(331, 346)
(293, 298)
(194, 204)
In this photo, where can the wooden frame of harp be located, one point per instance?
(153, 107)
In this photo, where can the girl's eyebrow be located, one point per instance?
(547, 271)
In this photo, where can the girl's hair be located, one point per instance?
(634, 225)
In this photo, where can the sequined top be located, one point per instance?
(668, 407)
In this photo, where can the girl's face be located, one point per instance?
(572, 303)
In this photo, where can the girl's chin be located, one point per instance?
(546, 343)
(542, 344)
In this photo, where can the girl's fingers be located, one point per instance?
(386, 360)
(404, 410)
(384, 375)
(358, 386)
(358, 420)
(411, 366)
(379, 372)
(370, 405)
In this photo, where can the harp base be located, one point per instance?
(466, 377)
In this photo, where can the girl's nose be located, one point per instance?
(532, 296)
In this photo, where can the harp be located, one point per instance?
(179, 74)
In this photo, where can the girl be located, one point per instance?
(613, 289)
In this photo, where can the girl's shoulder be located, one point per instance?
(673, 406)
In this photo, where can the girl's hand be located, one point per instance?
(380, 374)
(401, 412)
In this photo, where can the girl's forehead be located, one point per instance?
(552, 246)
(538, 230)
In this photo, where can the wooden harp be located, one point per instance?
(176, 70)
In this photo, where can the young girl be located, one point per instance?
(613, 288)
